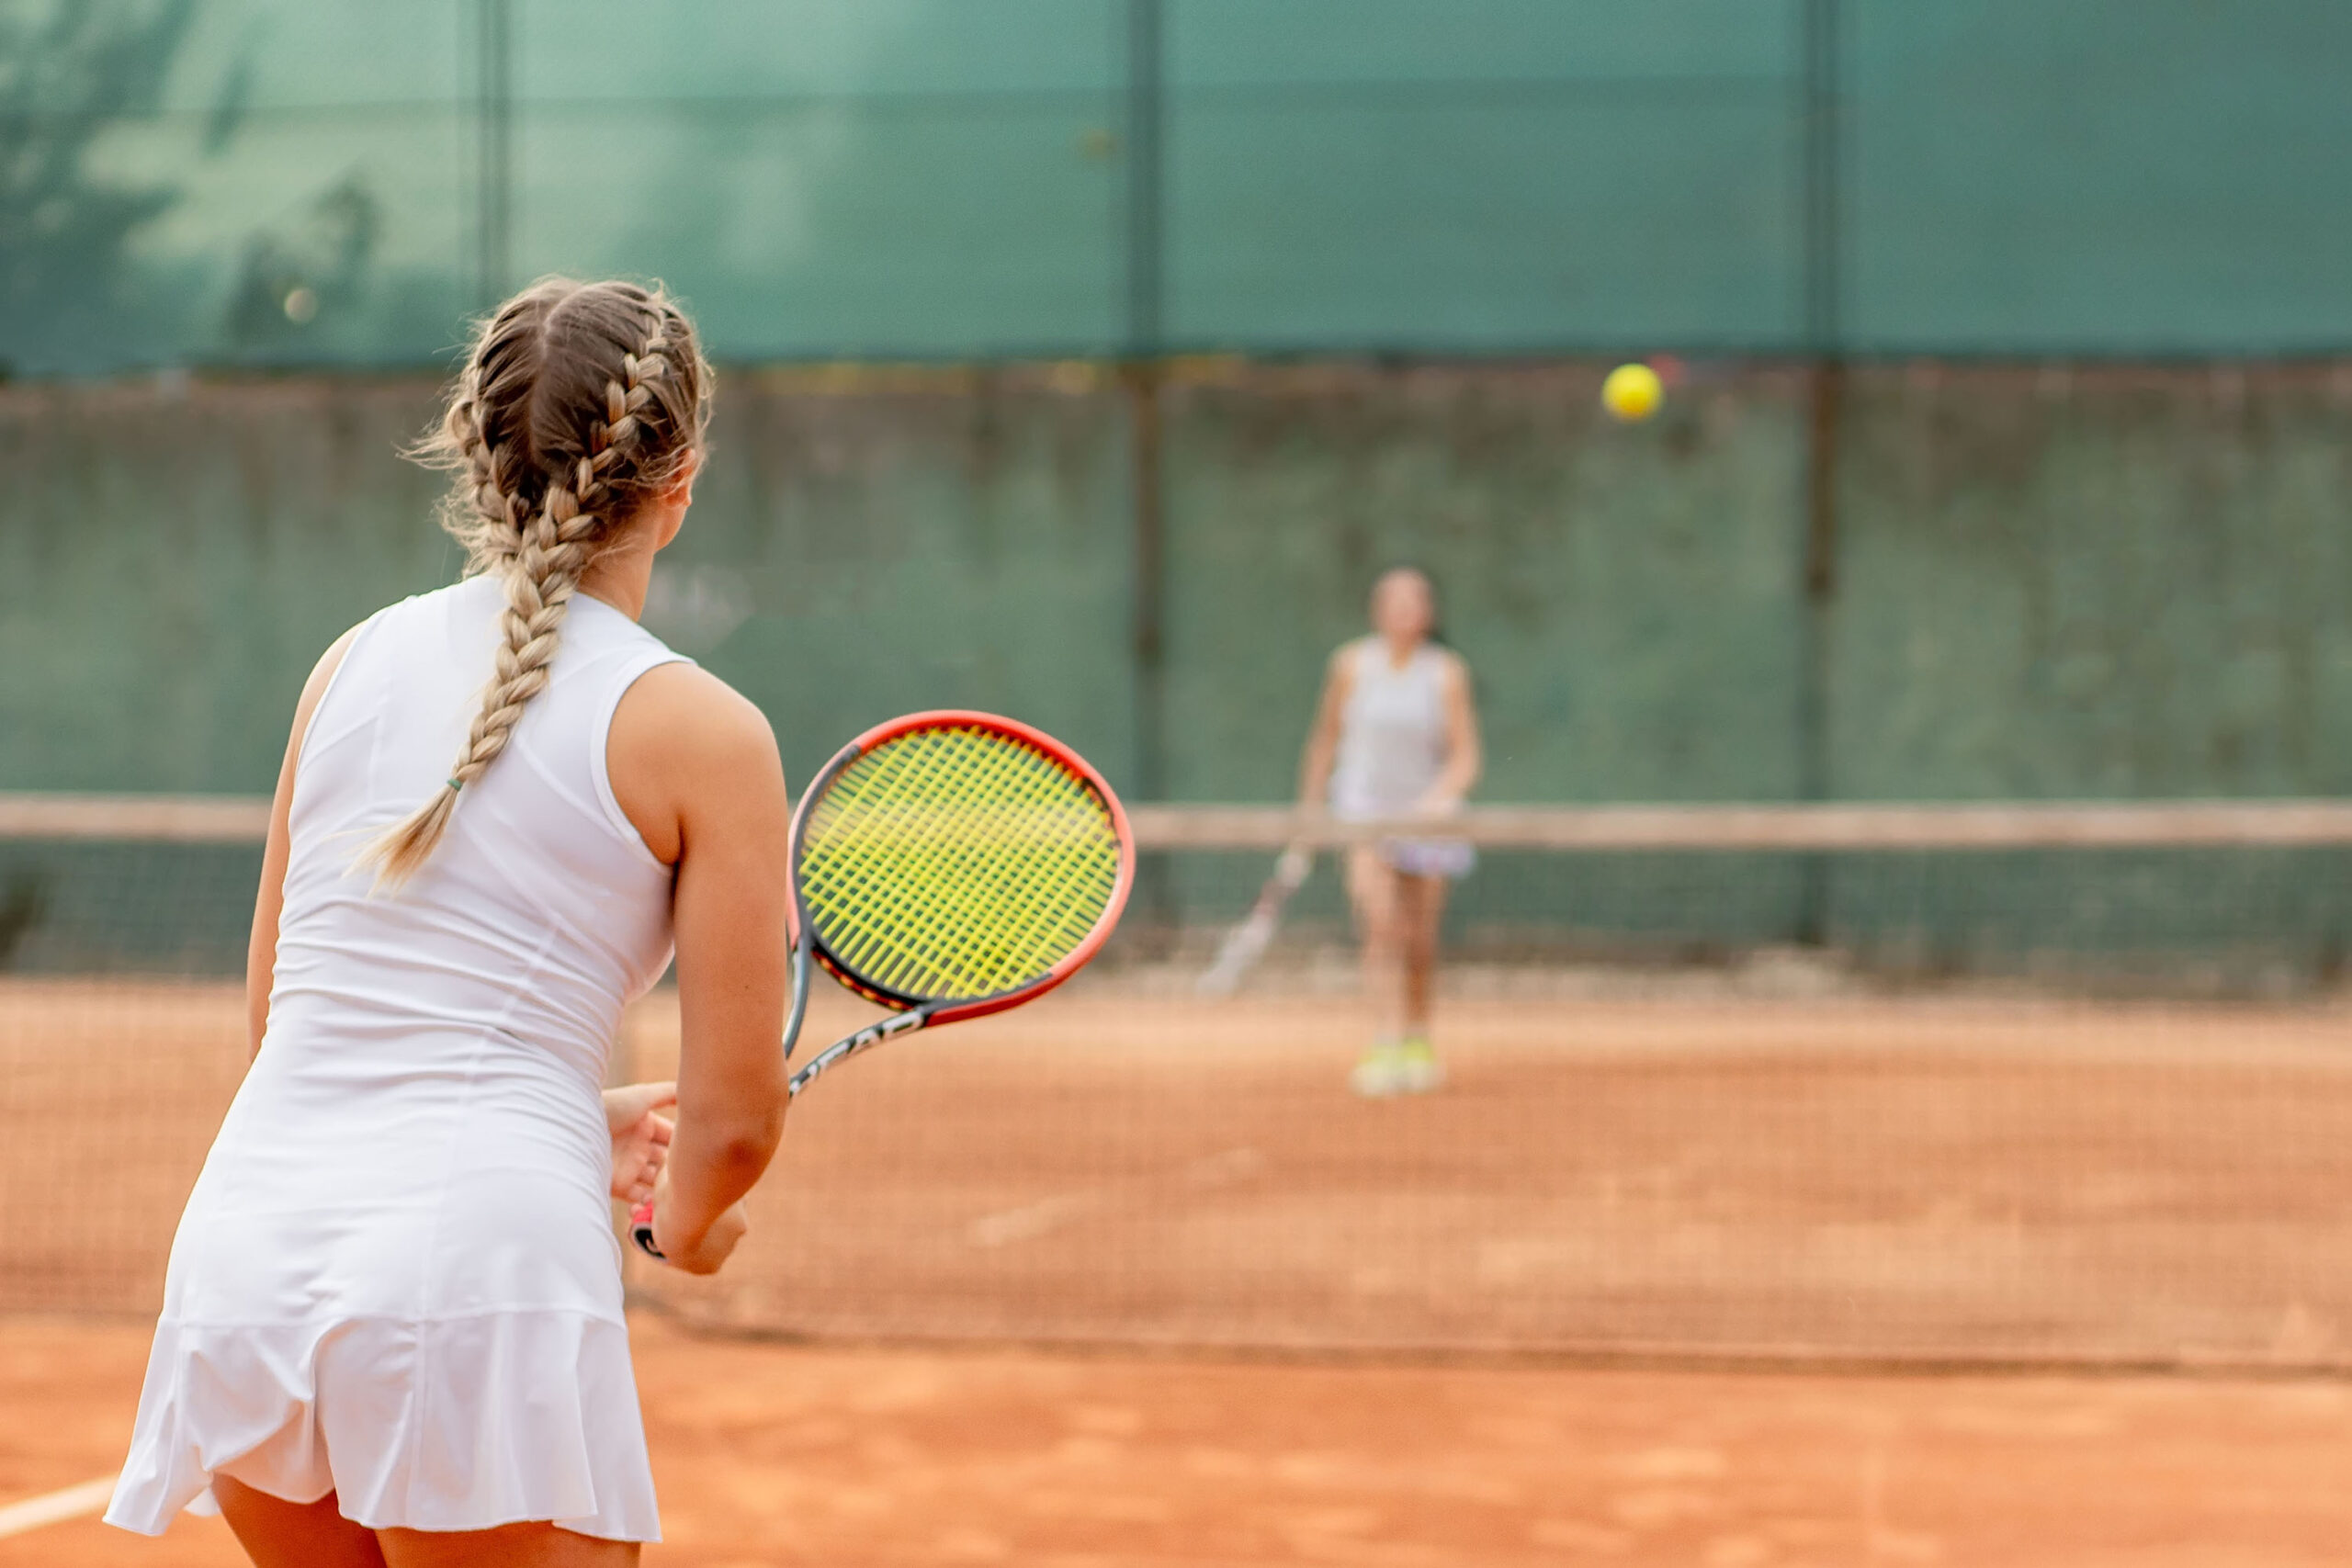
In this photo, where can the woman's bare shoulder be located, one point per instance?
(683, 737)
(681, 712)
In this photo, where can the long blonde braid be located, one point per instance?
(557, 430)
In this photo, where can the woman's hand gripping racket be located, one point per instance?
(945, 865)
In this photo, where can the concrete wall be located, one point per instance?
(2049, 583)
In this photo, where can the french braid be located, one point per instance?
(578, 402)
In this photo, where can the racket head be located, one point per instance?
(959, 861)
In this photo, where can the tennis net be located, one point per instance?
(1990, 1084)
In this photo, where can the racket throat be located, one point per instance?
(875, 1033)
(850, 1045)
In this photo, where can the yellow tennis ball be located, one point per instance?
(1632, 392)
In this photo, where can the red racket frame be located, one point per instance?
(911, 1012)
(1028, 735)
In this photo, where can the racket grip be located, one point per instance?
(641, 1231)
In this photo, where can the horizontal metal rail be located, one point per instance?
(1823, 827)
(133, 819)
(1827, 826)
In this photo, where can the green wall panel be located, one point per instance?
(2052, 583)
(854, 557)
(1622, 594)
(174, 560)
(2095, 584)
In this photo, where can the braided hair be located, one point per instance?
(578, 400)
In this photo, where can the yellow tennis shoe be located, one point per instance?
(1397, 1067)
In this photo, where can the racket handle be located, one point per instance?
(641, 1231)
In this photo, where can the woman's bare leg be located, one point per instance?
(513, 1546)
(1420, 907)
(279, 1534)
(1372, 892)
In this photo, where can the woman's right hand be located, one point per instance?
(696, 1254)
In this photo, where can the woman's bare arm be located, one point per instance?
(694, 766)
(1466, 755)
(269, 902)
(1323, 738)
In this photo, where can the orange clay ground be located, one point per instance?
(855, 1457)
(1857, 1177)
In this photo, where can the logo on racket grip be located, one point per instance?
(641, 1231)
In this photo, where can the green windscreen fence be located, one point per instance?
(237, 182)
(2119, 582)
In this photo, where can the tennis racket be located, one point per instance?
(1246, 942)
(946, 865)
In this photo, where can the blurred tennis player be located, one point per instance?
(392, 1331)
(1396, 735)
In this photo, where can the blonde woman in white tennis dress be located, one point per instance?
(1396, 735)
(392, 1334)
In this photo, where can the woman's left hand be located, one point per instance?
(640, 1137)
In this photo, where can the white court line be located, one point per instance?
(55, 1507)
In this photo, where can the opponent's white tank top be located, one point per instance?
(540, 914)
(1392, 730)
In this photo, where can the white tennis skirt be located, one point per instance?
(1449, 858)
(417, 1311)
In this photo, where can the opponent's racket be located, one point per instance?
(945, 865)
(1246, 942)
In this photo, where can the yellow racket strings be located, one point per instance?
(957, 863)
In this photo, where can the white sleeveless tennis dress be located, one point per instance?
(1392, 749)
(396, 1277)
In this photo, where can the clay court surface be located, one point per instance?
(769, 1454)
(1130, 1279)
(1857, 1177)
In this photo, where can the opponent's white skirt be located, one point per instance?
(1448, 858)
